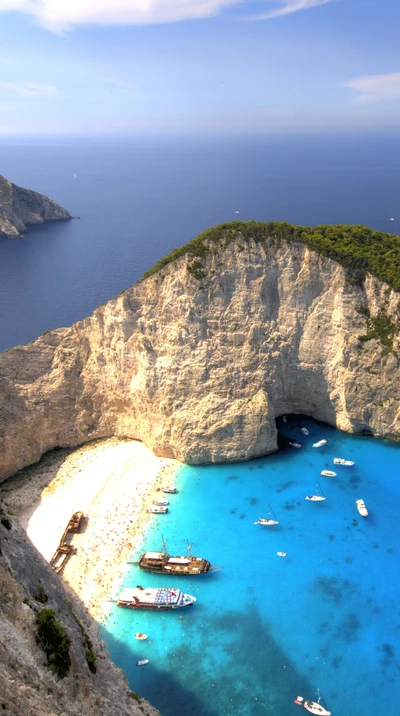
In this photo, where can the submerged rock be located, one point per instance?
(198, 359)
(21, 207)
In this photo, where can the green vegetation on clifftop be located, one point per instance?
(358, 248)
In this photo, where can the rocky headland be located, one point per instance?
(20, 208)
(245, 323)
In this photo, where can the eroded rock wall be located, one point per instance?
(198, 369)
(21, 207)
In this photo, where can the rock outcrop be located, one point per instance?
(199, 359)
(28, 685)
(21, 207)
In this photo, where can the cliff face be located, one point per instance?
(199, 367)
(27, 684)
(21, 207)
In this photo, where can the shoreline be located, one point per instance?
(113, 482)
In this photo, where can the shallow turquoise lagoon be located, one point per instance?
(266, 628)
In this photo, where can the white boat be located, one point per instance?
(170, 489)
(342, 461)
(328, 473)
(155, 599)
(315, 707)
(361, 508)
(142, 662)
(284, 419)
(305, 431)
(160, 503)
(140, 635)
(268, 521)
(158, 510)
(320, 443)
(281, 554)
(296, 445)
(318, 496)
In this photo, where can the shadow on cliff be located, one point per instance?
(217, 669)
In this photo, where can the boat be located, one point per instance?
(328, 473)
(281, 554)
(140, 635)
(296, 445)
(320, 443)
(315, 707)
(163, 563)
(305, 431)
(142, 662)
(317, 497)
(158, 510)
(342, 461)
(170, 489)
(268, 521)
(299, 700)
(160, 503)
(284, 419)
(154, 598)
(361, 508)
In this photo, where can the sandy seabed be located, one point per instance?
(113, 482)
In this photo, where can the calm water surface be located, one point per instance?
(139, 200)
(266, 628)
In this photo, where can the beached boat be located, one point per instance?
(170, 489)
(160, 503)
(296, 445)
(163, 563)
(158, 510)
(305, 431)
(361, 508)
(315, 707)
(342, 461)
(320, 443)
(142, 662)
(318, 496)
(268, 521)
(153, 598)
(139, 635)
(328, 473)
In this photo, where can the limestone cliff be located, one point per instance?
(199, 359)
(21, 207)
(28, 686)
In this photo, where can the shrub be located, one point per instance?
(55, 641)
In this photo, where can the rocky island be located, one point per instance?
(20, 208)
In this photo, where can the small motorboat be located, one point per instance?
(281, 554)
(142, 662)
(268, 521)
(158, 510)
(140, 635)
(296, 445)
(328, 473)
(342, 461)
(305, 431)
(315, 707)
(284, 419)
(299, 700)
(170, 489)
(160, 503)
(320, 443)
(361, 508)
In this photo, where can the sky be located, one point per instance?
(118, 67)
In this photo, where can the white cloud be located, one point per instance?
(29, 89)
(286, 7)
(373, 88)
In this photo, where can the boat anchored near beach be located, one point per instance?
(170, 489)
(163, 563)
(158, 510)
(342, 461)
(139, 635)
(318, 496)
(320, 443)
(268, 521)
(155, 599)
(160, 503)
(315, 707)
(361, 508)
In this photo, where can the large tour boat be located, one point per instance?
(150, 598)
(163, 563)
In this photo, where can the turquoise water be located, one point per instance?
(266, 628)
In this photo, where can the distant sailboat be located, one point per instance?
(268, 521)
(318, 496)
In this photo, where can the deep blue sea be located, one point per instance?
(267, 628)
(139, 199)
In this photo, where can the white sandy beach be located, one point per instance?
(113, 482)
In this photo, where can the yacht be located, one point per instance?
(342, 461)
(320, 443)
(361, 508)
(153, 598)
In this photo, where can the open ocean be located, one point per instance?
(264, 629)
